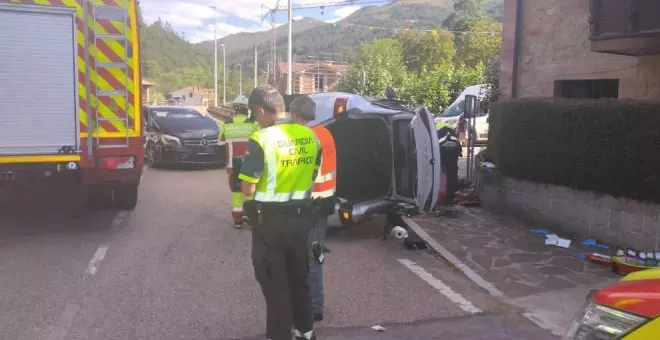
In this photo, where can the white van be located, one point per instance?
(454, 113)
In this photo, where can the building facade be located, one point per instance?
(311, 77)
(581, 49)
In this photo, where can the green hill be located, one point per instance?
(172, 63)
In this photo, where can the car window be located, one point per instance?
(175, 113)
(454, 110)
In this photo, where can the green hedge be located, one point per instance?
(607, 146)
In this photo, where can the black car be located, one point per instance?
(181, 135)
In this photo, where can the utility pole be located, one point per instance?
(224, 74)
(289, 76)
(267, 71)
(274, 51)
(240, 79)
(256, 75)
(215, 59)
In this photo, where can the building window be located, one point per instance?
(591, 89)
(319, 83)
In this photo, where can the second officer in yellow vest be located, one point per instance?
(279, 168)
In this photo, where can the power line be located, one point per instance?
(329, 4)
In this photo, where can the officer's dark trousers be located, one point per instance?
(449, 158)
(279, 256)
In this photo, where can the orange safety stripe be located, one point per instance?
(327, 179)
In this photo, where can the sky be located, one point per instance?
(195, 18)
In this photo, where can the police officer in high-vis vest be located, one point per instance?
(303, 111)
(279, 168)
(235, 134)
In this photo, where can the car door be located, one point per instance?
(427, 152)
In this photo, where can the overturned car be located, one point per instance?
(388, 156)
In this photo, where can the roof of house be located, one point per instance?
(300, 67)
(147, 83)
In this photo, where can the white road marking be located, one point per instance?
(119, 219)
(64, 322)
(447, 255)
(99, 255)
(441, 287)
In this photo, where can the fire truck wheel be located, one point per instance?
(126, 196)
(99, 197)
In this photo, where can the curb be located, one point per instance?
(447, 255)
(476, 278)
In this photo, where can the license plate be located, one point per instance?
(205, 151)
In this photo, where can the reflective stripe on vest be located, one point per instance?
(447, 137)
(290, 152)
(326, 181)
(237, 131)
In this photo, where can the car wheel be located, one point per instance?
(126, 196)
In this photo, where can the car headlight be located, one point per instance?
(597, 322)
(170, 140)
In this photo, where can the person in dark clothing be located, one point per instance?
(450, 152)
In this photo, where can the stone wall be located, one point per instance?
(555, 45)
(616, 221)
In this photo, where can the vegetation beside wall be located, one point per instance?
(606, 146)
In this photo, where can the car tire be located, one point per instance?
(99, 197)
(126, 196)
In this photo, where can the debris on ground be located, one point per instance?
(554, 240)
(378, 328)
(468, 196)
(539, 232)
(399, 232)
(600, 259)
(593, 243)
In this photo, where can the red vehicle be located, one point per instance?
(628, 310)
(71, 97)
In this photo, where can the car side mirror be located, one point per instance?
(470, 106)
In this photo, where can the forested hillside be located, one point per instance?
(172, 63)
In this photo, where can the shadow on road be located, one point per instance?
(44, 213)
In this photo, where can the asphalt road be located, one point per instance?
(175, 268)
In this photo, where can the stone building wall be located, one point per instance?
(555, 45)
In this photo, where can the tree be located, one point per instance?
(492, 75)
(425, 49)
(482, 45)
(383, 67)
(466, 14)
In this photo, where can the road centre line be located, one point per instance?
(99, 255)
(64, 322)
(441, 287)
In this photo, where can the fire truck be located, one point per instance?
(627, 310)
(70, 97)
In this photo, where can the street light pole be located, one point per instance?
(215, 58)
(289, 76)
(224, 75)
(240, 79)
